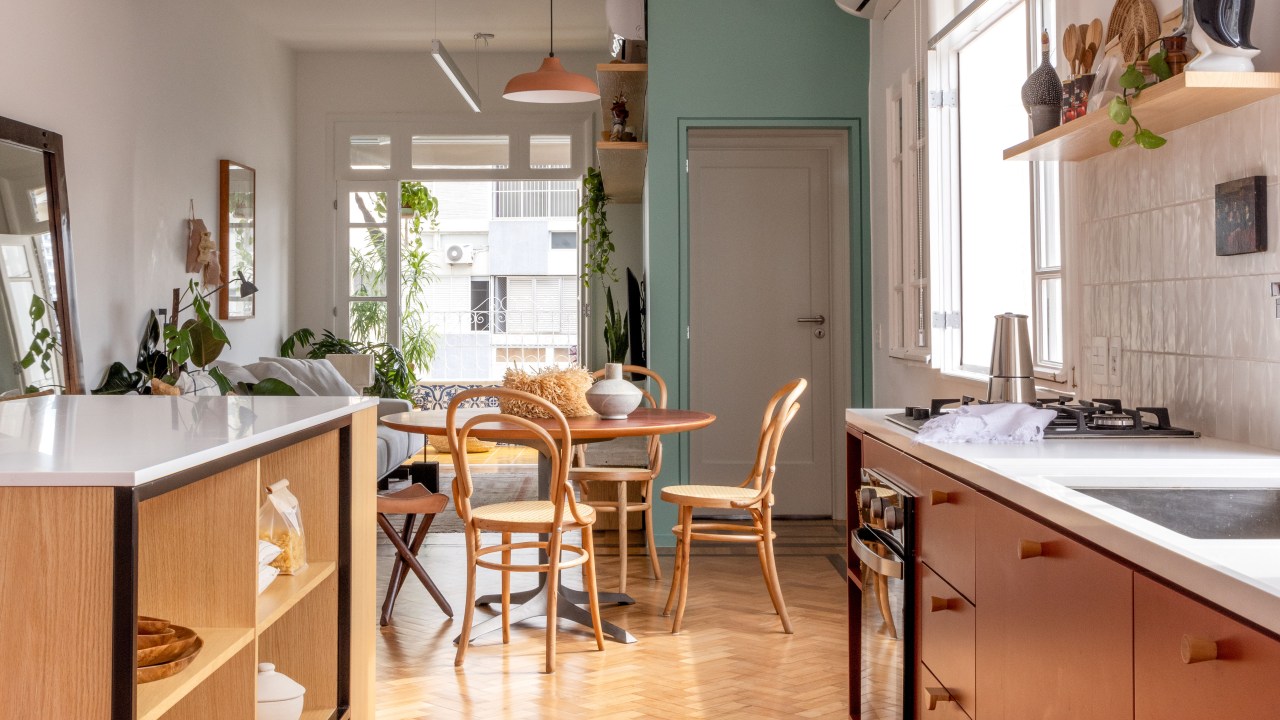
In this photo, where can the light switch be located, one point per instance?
(1113, 362)
(1098, 361)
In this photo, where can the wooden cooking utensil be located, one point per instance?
(1071, 47)
(1093, 35)
(1090, 53)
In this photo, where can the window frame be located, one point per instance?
(909, 254)
(1046, 217)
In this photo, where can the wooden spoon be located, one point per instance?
(1093, 36)
(1090, 53)
(1071, 47)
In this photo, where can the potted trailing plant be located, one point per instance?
(595, 229)
(1132, 83)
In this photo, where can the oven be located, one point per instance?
(884, 544)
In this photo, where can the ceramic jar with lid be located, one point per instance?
(279, 696)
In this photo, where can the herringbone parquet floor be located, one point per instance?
(731, 661)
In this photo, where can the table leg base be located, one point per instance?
(533, 604)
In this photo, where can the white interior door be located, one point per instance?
(760, 266)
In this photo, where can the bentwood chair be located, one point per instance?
(550, 518)
(591, 480)
(755, 495)
(412, 502)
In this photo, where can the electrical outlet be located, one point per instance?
(1098, 361)
(1113, 362)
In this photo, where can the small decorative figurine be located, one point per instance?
(1042, 93)
(620, 113)
(1221, 32)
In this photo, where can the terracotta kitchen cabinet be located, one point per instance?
(1055, 625)
(947, 629)
(933, 701)
(945, 520)
(1192, 661)
(898, 466)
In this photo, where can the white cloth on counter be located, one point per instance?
(996, 424)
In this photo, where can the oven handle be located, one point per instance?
(886, 566)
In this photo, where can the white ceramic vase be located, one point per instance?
(612, 397)
(279, 697)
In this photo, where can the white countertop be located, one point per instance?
(1240, 575)
(95, 440)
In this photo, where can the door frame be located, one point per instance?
(849, 331)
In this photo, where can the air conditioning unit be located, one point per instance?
(861, 8)
(460, 254)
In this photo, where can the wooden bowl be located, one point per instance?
(173, 667)
(150, 640)
(150, 625)
(182, 641)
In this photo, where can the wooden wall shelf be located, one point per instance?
(622, 164)
(1180, 101)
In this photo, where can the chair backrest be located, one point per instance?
(655, 443)
(782, 408)
(556, 440)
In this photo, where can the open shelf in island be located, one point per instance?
(220, 646)
(288, 590)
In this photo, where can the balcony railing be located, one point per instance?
(535, 198)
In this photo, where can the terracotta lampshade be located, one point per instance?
(551, 83)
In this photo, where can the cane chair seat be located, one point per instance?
(526, 516)
(754, 494)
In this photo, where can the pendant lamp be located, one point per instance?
(551, 83)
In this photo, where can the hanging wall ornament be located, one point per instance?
(202, 251)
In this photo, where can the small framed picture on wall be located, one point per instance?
(1240, 216)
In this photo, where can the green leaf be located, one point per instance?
(37, 308)
(1160, 65)
(28, 360)
(224, 385)
(272, 386)
(1116, 138)
(1148, 139)
(205, 345)
(1119, 110)
(118, 381)
(1132, 79)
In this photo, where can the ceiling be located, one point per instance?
(399, 25)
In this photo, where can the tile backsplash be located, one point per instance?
(1199, 333)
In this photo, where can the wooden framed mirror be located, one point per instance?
(39, 341)
(237, 209)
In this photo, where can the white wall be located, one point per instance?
(340, 86)
(148, 96)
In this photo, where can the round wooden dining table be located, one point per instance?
(642, 422)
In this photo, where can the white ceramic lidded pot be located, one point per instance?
(612, 397)
(279, 697)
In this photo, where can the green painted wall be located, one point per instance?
(775, 63)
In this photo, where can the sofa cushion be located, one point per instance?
(320, 375)
(234, 373)
(263, 370)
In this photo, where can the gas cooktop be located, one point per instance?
(1099, 418)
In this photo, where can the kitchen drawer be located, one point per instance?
(900, 468)
(947, 627)
(1242, 682)
(945, 523)
(944, 706)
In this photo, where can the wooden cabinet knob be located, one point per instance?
(937, 695)
(1196, 650)
(1028, 549)
(938, 497)
(937, 604)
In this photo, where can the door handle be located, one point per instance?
(818, 319)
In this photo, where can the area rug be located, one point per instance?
(489, 488)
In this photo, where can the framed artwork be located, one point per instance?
(1240, 216)
(237, 240)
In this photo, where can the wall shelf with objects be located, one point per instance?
(1180, 101)
(622, 162)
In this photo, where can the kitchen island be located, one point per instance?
(114, 507)
(1038, 596)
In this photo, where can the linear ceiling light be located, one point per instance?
(450, 68)
(551, 83)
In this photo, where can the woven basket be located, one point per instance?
(564, 388)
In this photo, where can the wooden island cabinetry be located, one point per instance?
(1018, 618)
(170, 530)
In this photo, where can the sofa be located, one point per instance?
(335, 376)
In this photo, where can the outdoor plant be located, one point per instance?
(417, 271)
(615, 330)
(1133, 81)
(595, 229)
(392, 376)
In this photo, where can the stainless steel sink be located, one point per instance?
(1201, 513)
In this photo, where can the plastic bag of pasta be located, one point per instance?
(280, 523)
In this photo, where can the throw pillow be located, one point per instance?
(320, 375)
(235, 374)
(263, 370)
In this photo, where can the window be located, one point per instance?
(908, 236)
(564, 241)
(370, 152)
(550, 151)
(996, 222)
(461, 152)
